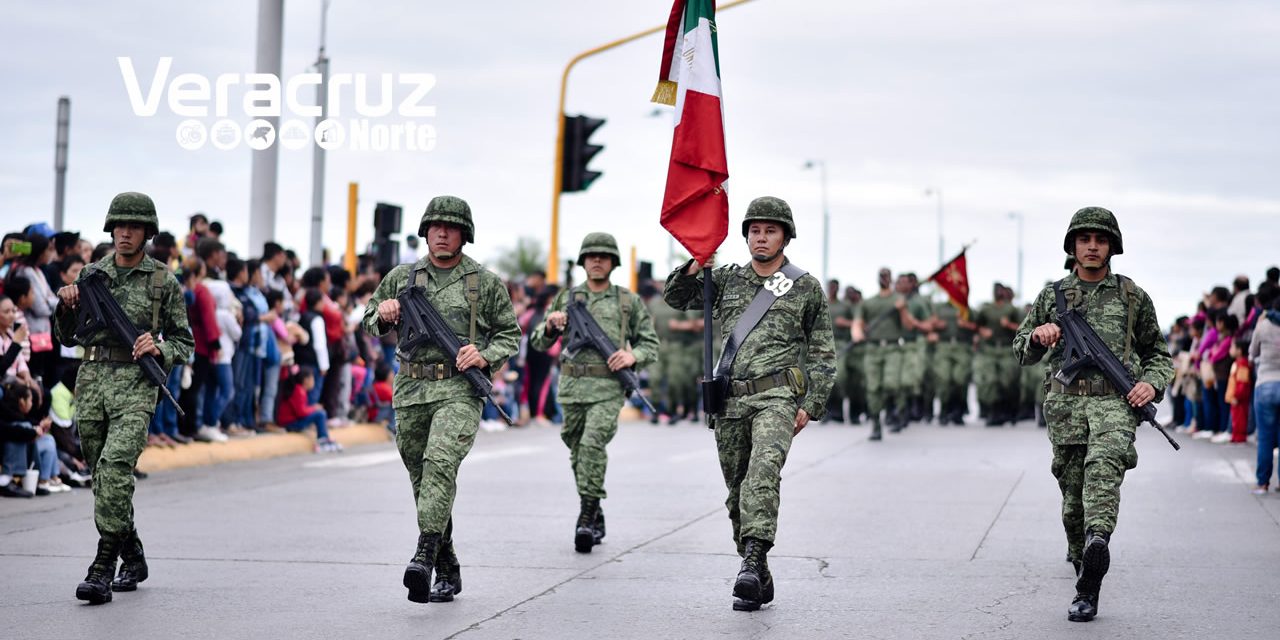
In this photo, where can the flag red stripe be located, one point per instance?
(695, 208)
(671, 38)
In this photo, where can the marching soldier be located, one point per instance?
(437, 410)
(114, 400)
(953, 362)
(769, 398)
(1091, 426)
(994, 372)
(590, 393)
(855, 362)
(841, 313)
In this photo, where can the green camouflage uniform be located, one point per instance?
(953, 357)
(437, 419)
(884, 352)
(664, 371)
(1093, 435)
(114, 400)
(995, 373)
(592, 399)
(689, 363)
(843, 339)
(854, 362)
(754, 434)
(915, 359)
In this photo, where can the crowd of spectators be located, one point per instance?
(277, 348)
(1227, 356)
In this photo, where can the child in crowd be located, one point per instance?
(1238, 391)
(382, 411)
(62, 411)
(27, 448)
(295, 414)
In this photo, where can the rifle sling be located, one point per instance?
(751, 318)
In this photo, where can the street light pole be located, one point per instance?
(826, 214)
(1017, 215)
(317, 162)
(553, 255)
(935, 191)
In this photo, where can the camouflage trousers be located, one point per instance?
(683, 376)
(587, 430)
(915, 362)
(853, 366)
(753, 440)
(112, 447)
(1092, 440)
(997, 374)
(1033, 386)
(952, 369)
(883, 368)
(433, 438)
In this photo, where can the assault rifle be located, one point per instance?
(1085, 348)
(421, 325)
(584, 331)
(100, 310)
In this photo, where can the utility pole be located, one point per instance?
(317, 162)
(60, 161)
(265, 171)
(826, 214)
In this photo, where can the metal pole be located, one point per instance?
(1017, 215)
(265, 171)
(826, 224)
(353, 190)
(60, 161)
(554, 244)
(317, 162)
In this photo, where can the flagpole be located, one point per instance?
(553, 258)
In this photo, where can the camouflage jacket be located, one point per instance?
(1105, 308)
(606, 308)
(497, 334)
(795, 331)
(663, 314)
(105, 389)
(989, 316)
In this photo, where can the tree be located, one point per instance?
(527, 256)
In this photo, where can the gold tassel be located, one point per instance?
(665, 93)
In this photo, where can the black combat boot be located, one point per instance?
(584, 535)
(417, 576)
(96, 588)
(597, 529)
(876, 434)
(448, 574)
(1093, 566)
(754, 581)
(133, 564)
(915, 409)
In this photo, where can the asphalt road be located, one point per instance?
(933, 533)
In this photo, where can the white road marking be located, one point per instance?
(383, 457)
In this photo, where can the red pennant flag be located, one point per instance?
(953, 277)
(695, 208)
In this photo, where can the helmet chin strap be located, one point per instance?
(440, 255)
(771, 258)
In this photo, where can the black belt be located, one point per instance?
(428, 370)
(586, 370)
(791, 377)
(1083, 388)
(102, 353)
(885, 343)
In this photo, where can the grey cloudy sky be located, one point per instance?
(1163, 111)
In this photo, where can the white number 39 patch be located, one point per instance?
(779, 284)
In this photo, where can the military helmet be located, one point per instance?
(771, 209)
(450, 209)
(599, 243)
(1094, 219)
(132, 206)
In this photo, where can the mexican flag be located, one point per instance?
(695, 208)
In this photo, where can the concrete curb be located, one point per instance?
(259, 447)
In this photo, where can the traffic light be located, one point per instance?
(578, 152)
